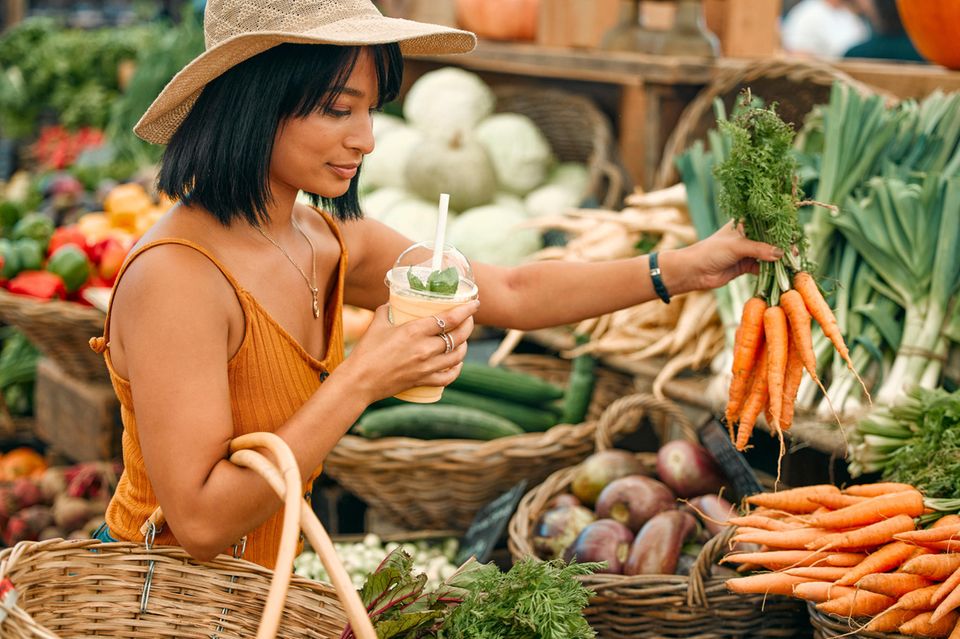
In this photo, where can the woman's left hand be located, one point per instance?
(714, 261)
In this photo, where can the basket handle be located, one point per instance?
(625, 414)
(284, 478)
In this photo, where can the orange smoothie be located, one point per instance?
(407, 304)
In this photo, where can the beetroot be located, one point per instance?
(53, 482)
(656, 549)
(713, 511)
(688, 469)
(633, 500)
(599, 469)
(27, 492)
(27, 524)
(603, 540)
(558, 528)
(69, 513)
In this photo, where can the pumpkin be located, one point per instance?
(932, 26)
(500, 19)
(21, 462)
(460, 167)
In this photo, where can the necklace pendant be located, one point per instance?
(316, 305)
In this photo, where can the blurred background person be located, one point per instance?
(824, 28)
(888, 39)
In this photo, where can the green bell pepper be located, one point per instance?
(71, 264)
(31, 254)
(35, 226)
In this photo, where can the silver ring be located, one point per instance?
(441, 325)
(447, 342)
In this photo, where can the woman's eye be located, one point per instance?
(338, 113)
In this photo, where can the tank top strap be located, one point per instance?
(99, 344)
(336, 233)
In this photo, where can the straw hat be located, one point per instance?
(236, 30)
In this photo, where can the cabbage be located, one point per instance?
(377, 203)
(490, 234)
(521, 154)
(448, 101)
(509, 200)
(383, 122)
(385, 166)
(415, 219)
(551, 199)
(460, 167)
(573, 175)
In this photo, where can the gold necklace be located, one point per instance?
(311, 284)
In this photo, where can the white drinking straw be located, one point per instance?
(441, 231)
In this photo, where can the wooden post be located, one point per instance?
(16, 11)
(746, 28)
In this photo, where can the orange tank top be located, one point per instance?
(271, 376)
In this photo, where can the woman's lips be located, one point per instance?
(346, 171)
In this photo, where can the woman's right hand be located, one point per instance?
(390, 359)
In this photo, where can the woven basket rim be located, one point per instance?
(842, 626)
(26, 303)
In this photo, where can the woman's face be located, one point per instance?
(321, 152)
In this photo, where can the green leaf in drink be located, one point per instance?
(443, 282)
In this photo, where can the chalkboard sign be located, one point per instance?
(489, 525)
(716, 439)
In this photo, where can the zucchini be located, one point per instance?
(500, 383)
(531, 420)
(434, 422)
(580, 389)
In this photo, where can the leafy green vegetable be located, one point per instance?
(443, 282)
(534, 600)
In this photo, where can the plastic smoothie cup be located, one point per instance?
(408, 303)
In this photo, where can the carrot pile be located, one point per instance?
(857, 554)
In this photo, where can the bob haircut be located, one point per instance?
(219, 157)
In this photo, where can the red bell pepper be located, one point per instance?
(41, 284)
(66, 235)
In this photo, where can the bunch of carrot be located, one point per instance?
(856, 553)
(772, 348)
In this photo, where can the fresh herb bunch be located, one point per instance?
(757, 187)
(534, 600)
(915, 442)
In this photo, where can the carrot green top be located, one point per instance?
(270, 377)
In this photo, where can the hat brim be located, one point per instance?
(171, 107)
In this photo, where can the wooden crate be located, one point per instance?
(78, 419)
(576, 23)
(746, 28)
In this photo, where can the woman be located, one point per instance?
(226, 317)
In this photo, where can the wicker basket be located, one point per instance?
(576, 130)
(135, 591)
(828, 626)
(441, 484)
(60, 330)
(796, 85)
(659, 606)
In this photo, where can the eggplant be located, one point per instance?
(633, 500)
(688, 469)
(558, 528)
(599, 469)
(656, 548)
(604, 540)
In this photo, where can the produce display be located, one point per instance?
(433, 558)
(38, 503)
(485, 402)
(886, 252)
(533, 600)
(637, 523)
(498, 168)
(879, 556)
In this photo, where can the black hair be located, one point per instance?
(219, 157)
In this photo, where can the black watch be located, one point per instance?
(658, 285)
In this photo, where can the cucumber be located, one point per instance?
(580, 389)
(503, 384)
(434, 422)
(531, 420)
